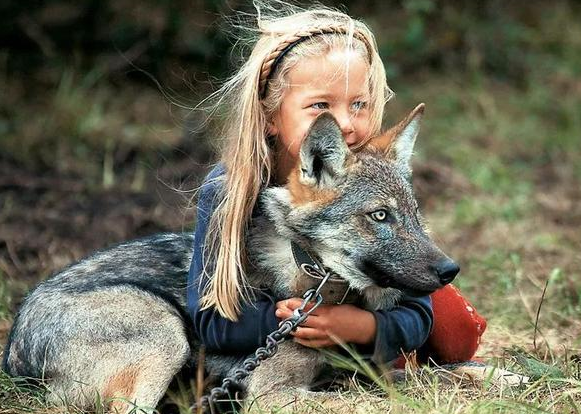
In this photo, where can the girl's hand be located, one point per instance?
(330, 324)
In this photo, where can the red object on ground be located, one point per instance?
(457, 329)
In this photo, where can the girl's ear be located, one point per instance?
(398, 142)
(323, 153)
(271, 129)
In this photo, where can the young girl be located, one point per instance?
(303, 63)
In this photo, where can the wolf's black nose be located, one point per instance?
(446, 270)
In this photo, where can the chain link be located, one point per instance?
(272, 341)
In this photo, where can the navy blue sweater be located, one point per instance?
(405, 327)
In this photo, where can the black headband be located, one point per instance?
(277, 61)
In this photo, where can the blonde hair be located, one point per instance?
(250, 98)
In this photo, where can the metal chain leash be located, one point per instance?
(272, 340)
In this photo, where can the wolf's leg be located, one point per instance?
(296, 400)
(121, 387)
(122, 349)
(139, 388)
(292, 367)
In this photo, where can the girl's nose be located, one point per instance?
(347, 128)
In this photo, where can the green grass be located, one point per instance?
(553, 388)
(19, 396)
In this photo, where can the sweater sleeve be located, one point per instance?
(256, 319)
(403, 328)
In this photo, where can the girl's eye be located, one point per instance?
(358, 105)
(320, 105)
(380, 215)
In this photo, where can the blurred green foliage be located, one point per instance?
(5, 299)
(67, 67)
(506, 39)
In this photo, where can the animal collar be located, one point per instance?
(336, 289)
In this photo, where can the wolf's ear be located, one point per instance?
(323, 152)
(398, 142)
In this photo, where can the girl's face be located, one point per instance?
(337, 83)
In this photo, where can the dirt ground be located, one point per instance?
(48, 221)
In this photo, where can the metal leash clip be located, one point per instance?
(311, 295)
(299, 314)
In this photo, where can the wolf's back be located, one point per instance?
(93, 296)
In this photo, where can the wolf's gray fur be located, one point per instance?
(116, 323)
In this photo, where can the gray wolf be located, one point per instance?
(114, 325)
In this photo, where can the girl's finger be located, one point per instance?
(283, 313)
(303, 332)
(313, 321)
(314, 343)
(293, 303)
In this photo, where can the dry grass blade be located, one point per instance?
(538, 314)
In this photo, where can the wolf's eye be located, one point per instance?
(379, 215)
